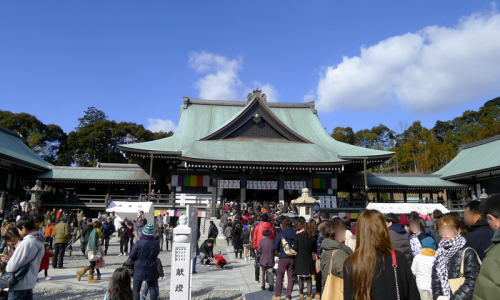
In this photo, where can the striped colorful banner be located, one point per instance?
(325, 183)
(191, 180)
(353, 216)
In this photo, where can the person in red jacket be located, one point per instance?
(257, 236)
(221, 262)
(44, 264)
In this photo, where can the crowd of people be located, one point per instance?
(31, 240)
(410, 256)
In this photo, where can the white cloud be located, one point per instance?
(221, 80)
(156, 125)
(437, 68)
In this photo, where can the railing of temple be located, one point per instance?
(91, 198)
(156, 198)
(456, 205)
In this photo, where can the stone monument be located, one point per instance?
(180, 276)
(305, 204)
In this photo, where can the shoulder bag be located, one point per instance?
(9, 279)
(287, 248)
(334, 286)
(395, 266)
(456, 283)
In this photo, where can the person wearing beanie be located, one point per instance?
(145, 253)
(422, 267)
(403, 220)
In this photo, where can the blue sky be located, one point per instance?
(364, 62)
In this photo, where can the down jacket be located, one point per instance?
(400, 240)
(488, 283)
(257, 233)
(471, 271)
(145, 252)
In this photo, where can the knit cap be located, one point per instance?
(403, 220)
(148, 229)
(429, 242)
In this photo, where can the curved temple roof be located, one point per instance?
(201, 119)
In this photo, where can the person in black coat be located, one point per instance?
(238, 241)
(364, 276)
(145, 253)
(449, 256)
(481, 233)
(207, 251)
(213, 232)
(400, 238)
(305, 245)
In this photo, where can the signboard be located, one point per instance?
(262, 185)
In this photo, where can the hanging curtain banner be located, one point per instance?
(262, 185)
(230, 184)
(191, 180)
(295, 185)
(324, 183)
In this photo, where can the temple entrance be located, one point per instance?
(231, 195)
(263, 195)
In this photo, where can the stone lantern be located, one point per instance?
(305, 204)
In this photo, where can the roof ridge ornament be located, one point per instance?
(256, 93)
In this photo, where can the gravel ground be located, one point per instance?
(48, 294)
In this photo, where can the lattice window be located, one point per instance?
(259, 129)
(180, 254)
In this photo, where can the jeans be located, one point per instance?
(123, 244)
(285, 265)
(202, 256)
(229, 241)
(161, 244)
(57, 260)
(152, 286)
(131, 243)
(167, 241)
(194, 264)
(21, 295)
(146, 288)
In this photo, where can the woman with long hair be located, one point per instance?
(92, 247)
(369, 273)
(451, 253)
(119, 286)
(305, 245)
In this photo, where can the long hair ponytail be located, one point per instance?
(372, 241)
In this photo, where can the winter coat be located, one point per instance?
(237, 239)
(86, 230)
(422, 267)
(306, 248)
(228, 232)
(384, 285)
(108, 229)
(266, 252)
(123, 233)
(328, 246)
(320, 237)
(130, 231)
(138, 227)
(224, 219)
(487, 283)
(471, 271)
(25, 252)
(73, 232)
(145, 252)
(159, 268)
(400, 240)
(61, 233)
(480, 237)
(289, 236)
(245, 237)
(168, 233)
(159, 233)
(49, 230)
(207, 250)
(44, 264)
(257, 233)
(213, 232)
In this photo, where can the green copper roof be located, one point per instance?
(95, 174)
(403, 181)
(482, 156)
(200, 118)
(12, 148)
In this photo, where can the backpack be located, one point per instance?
(287, 248)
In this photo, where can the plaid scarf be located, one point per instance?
(445, 251)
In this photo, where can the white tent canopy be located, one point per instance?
(406, 208)
(129, 210)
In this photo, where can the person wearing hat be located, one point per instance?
(145, 253)
(422, 267)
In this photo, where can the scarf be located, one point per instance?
(445, 251)
(148, 237)
(99, 233)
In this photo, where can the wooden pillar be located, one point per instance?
(378, 195)
(420, 197)
(431, 197)
(108, 195)
(214, 199)
(392, 196)
(150, 176)
(243, 189)
(405, 196)
(281, 187)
